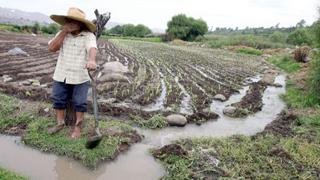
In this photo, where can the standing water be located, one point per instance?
(137, 163)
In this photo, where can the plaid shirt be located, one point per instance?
(73, 57)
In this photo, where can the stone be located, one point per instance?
(17, 51)
(25, 83)
(176, 120)
(114, 67)
(267, 79)
(220, 97)
(114, 77)
(6, 78)
(229, 110)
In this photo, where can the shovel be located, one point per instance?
(94, 140)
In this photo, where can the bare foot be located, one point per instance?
(76, 133)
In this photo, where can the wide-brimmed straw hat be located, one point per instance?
(74, 14)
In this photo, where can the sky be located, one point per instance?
(156, 13)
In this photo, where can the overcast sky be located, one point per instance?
(156, 13)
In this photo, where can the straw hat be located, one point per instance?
(75, 14)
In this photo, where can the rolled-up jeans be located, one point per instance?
(62, 92)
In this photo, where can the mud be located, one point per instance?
(281, 125)
(171, 149)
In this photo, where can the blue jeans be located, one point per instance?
(62, 92)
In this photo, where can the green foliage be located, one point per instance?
(9, 175)
(299, 37)
(250, 51)
(35, 28)
(186, 28)
(116, 30)
(299, 98)
(258, 42)
(286, 63)
(130, 30)
(241, 157)
(278, 37)
(50, 29)
(155, 122)
(60, 144)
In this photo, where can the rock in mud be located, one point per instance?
(229, 110)
(202, 116)
(6, 78)
(17, 51)
(171, 149)
(268, 79)
(114, 67)
(176, 120)
(220, 97)
(114, 77)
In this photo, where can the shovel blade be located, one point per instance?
(93, 142)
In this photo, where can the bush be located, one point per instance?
(250, 51)
(50, 29)
(186, 28)
(299, 37)
(130, 30)
(278, 37)
(301, 54)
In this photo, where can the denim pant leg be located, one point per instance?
(79, 96)
(59, 95)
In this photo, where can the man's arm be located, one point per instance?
(56, 43)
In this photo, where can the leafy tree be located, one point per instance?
(50, 29)
(118, 29)
(301, 23)
(299, 37)
(141, 30)
(278, 37)
(128, 30)
(35, 28)
(186, 28)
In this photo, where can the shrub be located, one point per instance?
(250, 51)
(302, 53)
(278, 37)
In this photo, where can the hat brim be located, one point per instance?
(62, 20)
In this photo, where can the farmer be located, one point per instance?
(78, 49)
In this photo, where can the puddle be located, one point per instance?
(137, 163)
(185, 106)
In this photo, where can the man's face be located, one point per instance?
(74, 23)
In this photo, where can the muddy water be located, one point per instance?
(137, 163)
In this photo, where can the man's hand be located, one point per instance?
(70, 27)
(91, 65)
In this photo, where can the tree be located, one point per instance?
(278, 36)
(118, 29)
(128, 30)
(35, 28)
(301, 23)
(299, 37)
(50, 29)
(141, 30)
(186, 28)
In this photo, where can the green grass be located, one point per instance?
(298, 98)
(36, 135)
(9, 175)
(156, 122)
(250, 51)
(146, 39)
(241, 157)
(286, 63)
(61, 144)
(260, 42)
